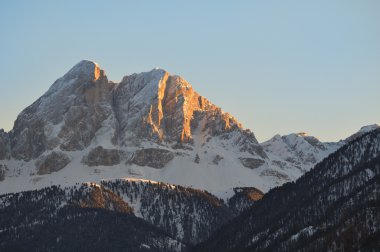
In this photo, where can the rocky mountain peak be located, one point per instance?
(302, 134)
(168, 106)
(300, 149)
(86, 69)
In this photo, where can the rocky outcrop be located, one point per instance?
(52, 162)
(217, 159)
(252, 163)
(100, 156)
(156, 158)
(28, 140)
(277, 174)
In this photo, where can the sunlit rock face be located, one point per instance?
(161, 107)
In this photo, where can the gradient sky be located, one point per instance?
(277, 66)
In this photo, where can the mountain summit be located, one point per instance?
(151, 125)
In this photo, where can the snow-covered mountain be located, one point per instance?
(151, 125)
(300, 150)
(119, 138)
(363, 130)
(333, 207)
(148, 214)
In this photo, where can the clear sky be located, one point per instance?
(277, 66)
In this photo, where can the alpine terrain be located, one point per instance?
(151, 125)
(148, 164)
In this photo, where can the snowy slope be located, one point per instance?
(363, 130)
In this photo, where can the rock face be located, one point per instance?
(52, 162)
(161, 107)
(252, 163)
(101, 156)
(68, 114)
(156, 158)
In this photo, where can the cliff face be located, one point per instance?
(161, 107)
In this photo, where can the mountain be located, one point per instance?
(151, 125)
(136, 214)
(335, 206)
(70, 219)
(79, 170)
(363, 130)
(300, 150)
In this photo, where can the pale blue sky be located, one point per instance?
(278, 66)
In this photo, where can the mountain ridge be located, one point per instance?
(151, 125)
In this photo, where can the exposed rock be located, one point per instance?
(277, 174)
(158, 106)
(52, 162)
(28, 140)
(80, 101)
(248, 142)
(100, 156)
(252, 163)
(217, 159)
(197, 159)
(156, 158)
